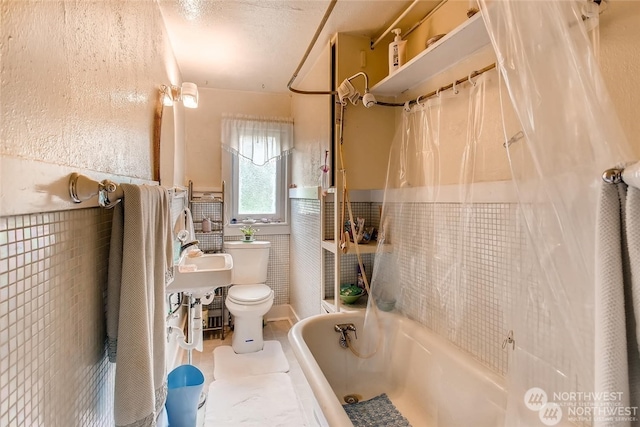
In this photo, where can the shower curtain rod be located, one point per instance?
(450, 85)
(629, 174)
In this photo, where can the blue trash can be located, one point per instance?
(184, 387)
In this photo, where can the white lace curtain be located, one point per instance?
(257, 139)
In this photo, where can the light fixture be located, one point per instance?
(188, 94)
(347, 91)
(166, 95)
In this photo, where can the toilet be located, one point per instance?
(249, 298)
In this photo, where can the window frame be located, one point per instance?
(282, 183)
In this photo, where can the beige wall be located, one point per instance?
(620, 64)
(202, 139)
(312, 123)
(78, 87)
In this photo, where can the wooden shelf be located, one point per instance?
(457, 45)
(329, 305)
(367, 248)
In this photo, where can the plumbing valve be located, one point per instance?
(343, 329)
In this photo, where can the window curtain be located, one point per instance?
(257, 139)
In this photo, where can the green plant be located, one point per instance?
(248, 230)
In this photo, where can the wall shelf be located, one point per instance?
(457, 45)
(367, 248)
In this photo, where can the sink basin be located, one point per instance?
(201, 275)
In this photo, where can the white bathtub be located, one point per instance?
(431, 382)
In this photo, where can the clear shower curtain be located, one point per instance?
(482, 248)
(571, 135)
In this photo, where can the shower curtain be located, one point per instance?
(491, 240)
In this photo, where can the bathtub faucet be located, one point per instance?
(343, 329)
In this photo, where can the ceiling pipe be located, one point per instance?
(394, 24)
(332, 4)
(417, 24)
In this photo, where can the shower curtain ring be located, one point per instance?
(471, 81)
(455, 90)
(418, 101)
(438, 92)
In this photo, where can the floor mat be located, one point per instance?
(227, 364)
(254, 401)
(376, 412)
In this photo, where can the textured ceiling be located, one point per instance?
(256, 45)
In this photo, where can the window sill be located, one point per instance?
(265, 229)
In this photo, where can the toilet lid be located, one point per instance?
(250, 293)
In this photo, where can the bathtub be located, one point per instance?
(431, 382)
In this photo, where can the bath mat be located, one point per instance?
(376, 412)
(269, 360)
(255, 401)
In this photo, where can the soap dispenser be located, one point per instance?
(397, 52)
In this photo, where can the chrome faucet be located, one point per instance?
(187, 245)
(343, 329)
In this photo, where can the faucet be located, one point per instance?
(343, 329)
(187, 245)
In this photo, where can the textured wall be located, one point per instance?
(79, 82)
(620, 63)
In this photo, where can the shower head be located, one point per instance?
(368, 99)
(347, 91)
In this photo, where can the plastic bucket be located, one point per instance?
(184, 387)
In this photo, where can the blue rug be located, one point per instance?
(376, 412)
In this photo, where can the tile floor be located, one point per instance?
(272, 331)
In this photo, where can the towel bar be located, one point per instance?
(630, 174)
(82, 188)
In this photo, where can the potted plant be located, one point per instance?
(249, 233)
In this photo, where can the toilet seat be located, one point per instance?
(249, 294)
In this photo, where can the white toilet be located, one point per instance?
(248, 299)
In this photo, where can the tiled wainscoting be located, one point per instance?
(278, 269)
(53, 275)
(305, 257)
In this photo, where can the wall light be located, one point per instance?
(166, 95)
(188, 94)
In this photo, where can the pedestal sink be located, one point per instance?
(202, 274)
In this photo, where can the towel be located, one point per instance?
(617, 297)
(140, 266)
(184, 223)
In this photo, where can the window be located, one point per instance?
(256, 166)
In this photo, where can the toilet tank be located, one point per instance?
(250, 261)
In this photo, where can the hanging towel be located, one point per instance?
(185, 223)
(617, 297)
(140, 266)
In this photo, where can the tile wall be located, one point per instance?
(278, 269)
(453, 267)
(53, 365)
(305, 257)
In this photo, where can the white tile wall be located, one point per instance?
(305, 257)
(53, 367)
(278, 269)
